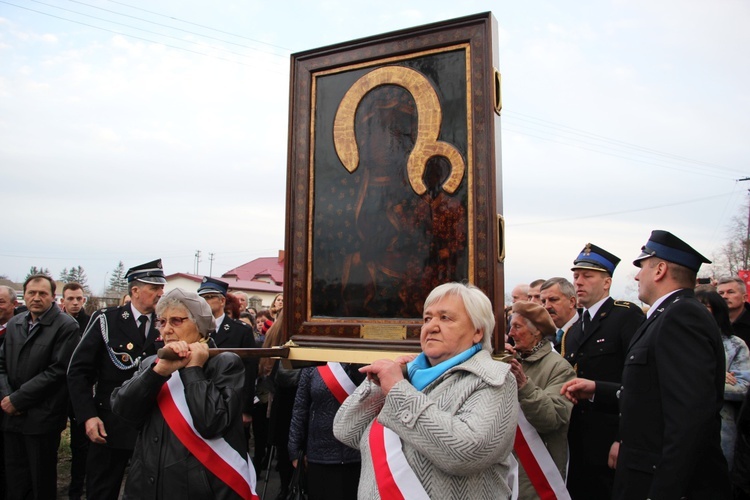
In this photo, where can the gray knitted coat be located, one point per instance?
(457, 433)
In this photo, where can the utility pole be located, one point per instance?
(197, 261)
(211, 265)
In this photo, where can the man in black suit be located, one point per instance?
(115, 341)
(595, 346)
(231, 333)
(672, 385)
(33, 358)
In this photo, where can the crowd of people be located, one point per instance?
(596, 398)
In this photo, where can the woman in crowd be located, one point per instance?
(444, 423)
(540, 373)
(737, 379)
(232, 306)
(276, 306)
(281, 401)
(332, 468)
(186, 409)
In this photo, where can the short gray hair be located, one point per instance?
(199, 312)
(566, 287)
(477, 304)
(732, 279)
(11, 293)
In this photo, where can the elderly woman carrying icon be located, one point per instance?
(188, 411)
(442, 425)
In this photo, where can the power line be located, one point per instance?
(684, 169)
(170, 27)
(617, 148)
(201, 25)
(594, 216)
(145, 30)
(129, 35)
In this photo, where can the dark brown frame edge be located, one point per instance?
(480, 32)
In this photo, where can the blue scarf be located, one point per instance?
(421, 374)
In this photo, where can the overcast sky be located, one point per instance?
(141, 129)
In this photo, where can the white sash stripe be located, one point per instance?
(403, 475)
(231, 456)
(543, 458)
(342, 377)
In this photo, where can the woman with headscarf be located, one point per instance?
(540, 373)
(191, 443)
(442, 425)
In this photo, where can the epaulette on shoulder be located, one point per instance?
(624, 303)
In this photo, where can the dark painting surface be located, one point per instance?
(385, 232)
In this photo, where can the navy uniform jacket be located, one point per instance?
(96, 368)
(671, 394)
(598, 354)
(236, 334)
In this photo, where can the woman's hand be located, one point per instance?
(384, 372)
(517, 370)
(165, 367)
(730, 379)
(198, 354)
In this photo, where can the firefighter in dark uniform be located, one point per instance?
(116, 340)
(231, 333)
(596, 346)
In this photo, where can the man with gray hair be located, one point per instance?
(559, 299)
(734, 291)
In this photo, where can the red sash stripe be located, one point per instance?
(387, 486)
(199, 448)
(549, 485)
(333, 383)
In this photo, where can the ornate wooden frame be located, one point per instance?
(448, 71)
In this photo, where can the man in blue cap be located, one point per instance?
(672, 385)
(111, 348)
(595, 346)
(231, 333)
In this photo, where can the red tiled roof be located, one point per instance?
(271, 267)
(234, 283)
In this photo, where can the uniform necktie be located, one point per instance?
(586, 321)
(2, 331)
(143, 320)
(559, 335)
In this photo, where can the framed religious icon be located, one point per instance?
(393, 181)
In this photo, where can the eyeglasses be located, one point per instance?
(174, 322)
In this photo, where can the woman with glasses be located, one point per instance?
(188, 411)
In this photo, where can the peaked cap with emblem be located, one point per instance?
(212, 285)
(596, 259)
(150, 272)
(667, 246)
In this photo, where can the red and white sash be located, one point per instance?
(216, 455)
(537, 462)
(394, 476)
(337, 381)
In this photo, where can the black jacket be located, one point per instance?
(96, 368)
(311, 430)
(161, 467)
(236, 334)
(671, 394)
(597, 354)
(32, 371)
